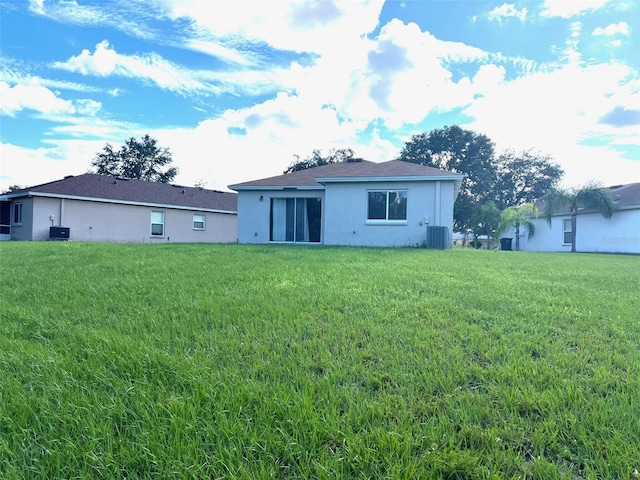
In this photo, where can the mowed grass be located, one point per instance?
(234, 361)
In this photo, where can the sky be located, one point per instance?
(237, 89)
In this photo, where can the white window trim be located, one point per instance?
(21, 208)
(380, 221)
(204, 221)
(152, 223)
(565, 231)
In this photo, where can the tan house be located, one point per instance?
(101, 208)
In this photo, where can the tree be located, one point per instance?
(461, 151)
(524, 177)
(141, 160)
(488, 219)
(518, 217)
(316, 159)
(591, 197)
(11, 188)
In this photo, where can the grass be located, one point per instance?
(235, 361)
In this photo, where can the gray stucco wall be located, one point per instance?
(110, 222)
(344, 211)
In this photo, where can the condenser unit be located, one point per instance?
(438, 237)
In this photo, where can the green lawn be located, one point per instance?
(235, 361)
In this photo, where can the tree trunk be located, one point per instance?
(517, 237)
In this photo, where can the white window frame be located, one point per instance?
(162, 223)
(387, 220)
(17, 213)
(201, 219)
(566, 230)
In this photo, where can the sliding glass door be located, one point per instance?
(295, 220)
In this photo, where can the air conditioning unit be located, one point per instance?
(438, 237)
(59, 233)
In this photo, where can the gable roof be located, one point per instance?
(357, 170)
(624, 197)
(104, 188)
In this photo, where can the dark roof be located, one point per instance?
(624, 197)
(120, 190)
(357, 170)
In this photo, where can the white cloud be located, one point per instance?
(152, 68)
(621, 28)
(129, 17)
(560, 122)
(291, 26)
(33, 166)
(31, 96)
(106, 61)
(507, 10)
(570, 8)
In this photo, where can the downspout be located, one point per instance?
(61, 216)
(437, 204)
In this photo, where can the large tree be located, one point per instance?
(142, 160)
(589, 198)
(462, 151)
(523, 177)
(316, 159)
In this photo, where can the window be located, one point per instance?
(295, 220)
(566, 232)
(198, 222)
(157, 224)
(17, 213)
(387, 205)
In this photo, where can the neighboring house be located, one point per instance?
(351, 203)
(595, 233)
(101, 208)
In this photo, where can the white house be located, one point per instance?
(358, 202)
(594, 233)
(108, 209)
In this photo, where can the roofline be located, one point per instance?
(582, 211)
(276, 187)
(121, 202)
(405, 178)
(323, 180)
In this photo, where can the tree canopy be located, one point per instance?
(142, 160)
(460, 151)
(316, 159)
(510, 179)
(523, 177)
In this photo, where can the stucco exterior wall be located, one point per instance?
(619, 234)
(344, 213)
(110, 222)
(253, 222)
(428, 203)
(24, 230)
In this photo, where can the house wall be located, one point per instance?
(23, 231)
(428, 203)
(254, 214)
(109, 222)
(344, 213)
(619, 234)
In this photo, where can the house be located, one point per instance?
(594, 233)
(357, 202)
(101, 208)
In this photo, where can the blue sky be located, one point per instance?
(236, 89)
